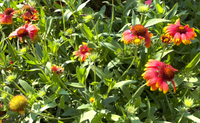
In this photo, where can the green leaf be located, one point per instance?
(172, 11)
(88, 116)
(50, 105)
(192, 117)
(62, 102)
(134, 119)
(82, 5)
(126, 92)
(70, 112)
(85, 106)
(159, 9)
(112, 45)
(26, 86)
(122, 83)
(87, 32)
(115, 117)
(76, 85)
(109, 100)
(152, 22)
(67, 14)
(193, 63)
(38, 50)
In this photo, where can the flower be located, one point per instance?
(29, 13)
(18, 103)
(137, 32)
(143, 8)
(26, 30)
(6, 18)
(10, 62)
(157, 74)
(92, 99)
(83, 52)
(57, 69)
(188, 102)
(166, 38)
(180, 33)
(148, 2)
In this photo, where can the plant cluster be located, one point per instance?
(66, 61)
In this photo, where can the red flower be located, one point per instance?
(148, 2)
(26, 30)
(57, 69)
(10, 62)
(180, 33)
(29, 13)
(83, 52)
(136, 34)
(157, 74)
(6, 18)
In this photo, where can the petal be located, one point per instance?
(185, 39)
(177, 38)
(148, 40)
(152, 82)
(163, 86)
(173, 85)
(154, 63)
(149, 74)
(177, 23)
(153, 87)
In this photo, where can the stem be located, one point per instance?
(94, 72)
(180, 118)
(184, 95)
(6, 93)
(141, 18)
(136, 93)
(19, 88)
(163, 52)
(96, 32)
(50, 117)
(112, 17)
(135, 55)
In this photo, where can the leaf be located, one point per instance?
(135, 119)
(112, 45)
(193, 63)
(109, 100)
(38, 50)
(152, 22)
(88, 116)
(70, 112)
(192, 117)
(122, 83)
(159, 8)
(50, 105)
(26, 86)
(67, 14)
(115, 117)
(63, 92)
(87, 32)
(82, 5)
(77, 85)
(172, 11)
(85, 106)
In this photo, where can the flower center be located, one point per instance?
(8, 11)
(166, 72)
(139, 30)
(181, 29)
(137, 41)
(22, 32)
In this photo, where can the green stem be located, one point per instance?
(112, 17)
(135, 55)
(141, 18)
(163, 52)
(136, 93)
(6, 93)
(96, 32)
(19, 88)
(94, 72)
(180, 118)
(50, 117)
(183, 95)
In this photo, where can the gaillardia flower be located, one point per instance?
(92, 99)
(57, 69)
(165, 38)
(180, 33)
(157, 74)
(136, 34)
(29, 13)
(18, 103)
(6, 18)
(83, 52)
(26, 30)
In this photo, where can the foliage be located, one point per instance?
(107, 86)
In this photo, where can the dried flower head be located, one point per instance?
(18, 103)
